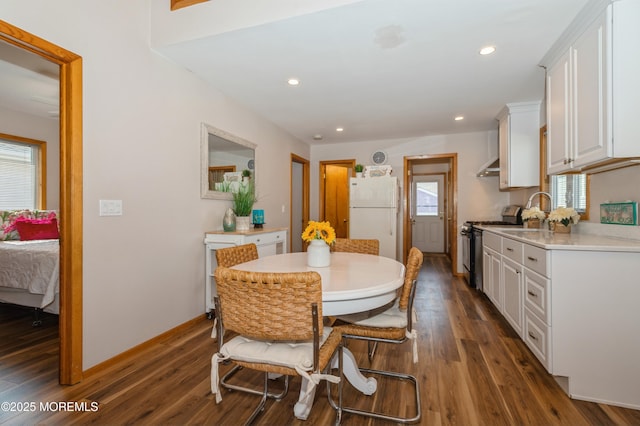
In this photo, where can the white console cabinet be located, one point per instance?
(269, 242)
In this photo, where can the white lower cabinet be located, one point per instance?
(512, 308)
(514, 284)
(574, 303)
(537, 336)
(492, 268)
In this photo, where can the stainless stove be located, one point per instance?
(472, 242)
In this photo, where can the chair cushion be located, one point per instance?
(284, 354)
(391, 318)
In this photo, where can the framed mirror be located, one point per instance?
(225, 158)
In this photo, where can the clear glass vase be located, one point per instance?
(229, 221)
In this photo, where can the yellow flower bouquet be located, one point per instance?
(319, 231)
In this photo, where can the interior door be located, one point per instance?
(428, 212)
(336, 198)
(299, 201)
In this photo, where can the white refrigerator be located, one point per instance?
(373, 211)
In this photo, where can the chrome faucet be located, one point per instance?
(528, 206)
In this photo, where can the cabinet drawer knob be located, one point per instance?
(533, 336)
(533, 259)
(509, 249)
(532, 294)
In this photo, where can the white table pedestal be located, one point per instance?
(351, 372)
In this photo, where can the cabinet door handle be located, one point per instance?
(532, 294)
(533, 336)
(533, 259)
(509, 249)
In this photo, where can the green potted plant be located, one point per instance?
(246, 175)
(243, 200)
(359, 168)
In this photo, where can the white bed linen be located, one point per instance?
(32, 266)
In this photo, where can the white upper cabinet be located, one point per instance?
(519, 139)
(593, 89)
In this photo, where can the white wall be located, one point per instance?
(144, 271)
(478, 198)
(16, 123)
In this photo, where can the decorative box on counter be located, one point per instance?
(619, 213)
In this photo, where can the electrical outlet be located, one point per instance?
(110, 207)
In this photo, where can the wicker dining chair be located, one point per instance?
(350, 245)
(231, 256)
(394, 325)
(278, 319)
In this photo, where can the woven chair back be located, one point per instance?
(414, 263)
(269, 305)
(231, 256)
(357, 246)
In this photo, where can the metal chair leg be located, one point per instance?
(262, 403)
(371, 346)
(224, 382)
(399, 376)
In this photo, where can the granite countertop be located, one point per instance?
(573, 241)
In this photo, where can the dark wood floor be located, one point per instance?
(473, 370)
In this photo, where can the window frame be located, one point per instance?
(545, 185)
(41, 166)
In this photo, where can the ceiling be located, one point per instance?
(29, 83)
(380, 69)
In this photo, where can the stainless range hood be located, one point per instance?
(491, 168)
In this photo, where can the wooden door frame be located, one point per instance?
(70, 327)
(322, 171)
(409, 161)
(306, 188)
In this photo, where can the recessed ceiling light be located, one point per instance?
(293, 82)
(339, 129)
(459, 118)
(317, 137)
(487, 50)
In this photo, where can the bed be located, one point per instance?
(30, 260)
(29, 273)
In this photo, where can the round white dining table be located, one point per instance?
(352, 283)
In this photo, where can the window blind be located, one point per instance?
(18, 175)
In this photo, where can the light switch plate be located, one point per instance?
(110, 207)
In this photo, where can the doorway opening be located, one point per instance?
(70, 223)
(300, 187)
(430, 204)
(334, 194)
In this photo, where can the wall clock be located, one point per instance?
(379, 157)
(250, 164)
